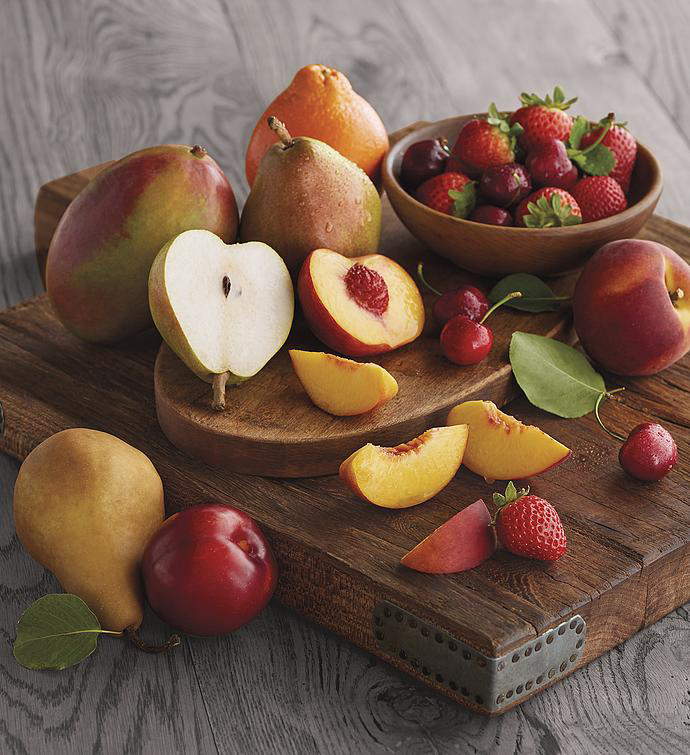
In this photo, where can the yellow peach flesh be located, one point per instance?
(342, 386)
(407, 474)
(500, 447)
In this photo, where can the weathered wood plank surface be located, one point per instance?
(82, 82)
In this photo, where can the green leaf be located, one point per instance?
(579, 128)
(464, 200)
(549, 213)
(599, 161)
(536, 295)
(55, 632)
(554, 376)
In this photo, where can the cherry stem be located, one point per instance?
(420, 273)
(281, 132)
(136, 640)
(600, 398)
(507, 297)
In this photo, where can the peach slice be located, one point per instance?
(460, 543)
(361, 305)
(341, 386)
(500, 447)
(408, 474)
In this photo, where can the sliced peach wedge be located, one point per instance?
(342, 386)
(461, 543)
(408, 474)
(500, 447)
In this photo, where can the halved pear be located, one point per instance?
(224, 309)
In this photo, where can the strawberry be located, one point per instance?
(528, 526)
(623, 145)
(599, 197)
(483, 142)
(543, 118)
(547, 208)
(450, 193)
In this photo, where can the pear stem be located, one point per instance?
(136, 640)
(600, 398)
(219, 382)
(281, 132)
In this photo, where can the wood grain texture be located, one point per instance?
(338, 558)
(106, 79)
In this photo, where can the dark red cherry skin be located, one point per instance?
(464, 341)
(466, 300)
(505, 185)
(549, 165)
(649, 453)
(423, 160)
(487, 213)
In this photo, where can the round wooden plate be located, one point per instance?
(271, 428)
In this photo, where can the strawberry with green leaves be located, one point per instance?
(620, 142)
(483, 142)
(451, 193)
(549, 207)
(528, 526)
(543, 118)
(592, 157)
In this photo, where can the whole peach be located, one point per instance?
(632, 307)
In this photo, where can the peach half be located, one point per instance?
(500, 447)
(341, 386)
(359, 305)
(408, 474)
(461, 543)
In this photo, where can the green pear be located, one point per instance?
(85, 506)
(224, 309)
(307, 196)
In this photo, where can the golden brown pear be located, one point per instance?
(85, 505)
(307, 196)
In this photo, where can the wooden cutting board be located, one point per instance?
(270, 427)
(488, 638)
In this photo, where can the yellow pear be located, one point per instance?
(85, 506)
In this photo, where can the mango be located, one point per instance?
(99, 258)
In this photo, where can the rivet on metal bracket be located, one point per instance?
(487, 682)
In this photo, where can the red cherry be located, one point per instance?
(649, 453)
(464, 341)
(423, 160)
(549, 165)
(491, 215)
(505, 185)
(466, 300)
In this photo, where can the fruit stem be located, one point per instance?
(198, 151)
(507, 297)
(604, 131)
(600, 398)
(281, 132)
(136, 640)
(420, 273)
(219, 382)
(676, 295)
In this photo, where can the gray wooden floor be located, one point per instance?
(86, 81)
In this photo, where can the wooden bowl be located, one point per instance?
(496, 250)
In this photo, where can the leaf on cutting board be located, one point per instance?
(554, 376)
(536, 295)
(56, 631)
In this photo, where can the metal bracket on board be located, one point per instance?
(489, 683)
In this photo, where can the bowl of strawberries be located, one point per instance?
(536, 190)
